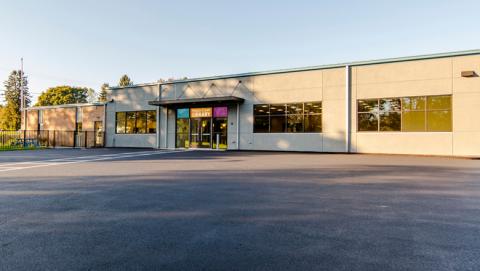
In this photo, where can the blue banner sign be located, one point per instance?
(183, 113)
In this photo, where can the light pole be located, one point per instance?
(23, 112)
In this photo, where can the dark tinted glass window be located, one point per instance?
(151, 122)
(294, 123)
(407, 114)
(295, 108)
(390, 121)
(141, 123)
(289, 118)
(261, 110)
(313, 123)
(390, 105)
(413, 103)
(313, 108)
(439, 121)
(439, 103)
(368, 105)
(130, 128)
(277, 124)
(414, 121)
(120, 122)
(277, 109)
(261, 124)
(367, 122)
(136, 122)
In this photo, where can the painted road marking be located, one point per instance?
(72, 158)
(76, 160)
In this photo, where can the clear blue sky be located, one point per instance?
(86, 43)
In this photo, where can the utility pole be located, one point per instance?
(23, 113)
(21, 85)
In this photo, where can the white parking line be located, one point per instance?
(72, 158)
(79, 159)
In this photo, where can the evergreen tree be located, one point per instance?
(102, 97)
(11, 115)
(125, 81)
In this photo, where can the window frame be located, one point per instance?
(268, 115)
(426, 110)
(135, 130)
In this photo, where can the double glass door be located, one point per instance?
(200, 132)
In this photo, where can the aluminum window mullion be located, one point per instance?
(378, 115)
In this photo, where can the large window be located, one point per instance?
(288, 118)
(408, 114)
(136, 122)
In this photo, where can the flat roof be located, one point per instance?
(206, 100)
(65, 106)
(310, 68)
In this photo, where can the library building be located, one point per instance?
(422, 105)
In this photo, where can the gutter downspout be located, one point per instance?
(158, 118)
(166, 127)
(104, 124)
(348, 109)
(238, 126)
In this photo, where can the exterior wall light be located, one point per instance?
(469, 74)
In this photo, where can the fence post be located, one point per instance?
(54, 138)
(86, 141)
(24, 138)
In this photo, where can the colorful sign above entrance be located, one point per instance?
(183, 113)
(220, 112)
(201, 112)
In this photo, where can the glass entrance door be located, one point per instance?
(183, 133)
(200, 133)
(220, 133)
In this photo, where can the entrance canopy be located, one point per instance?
(198, 101)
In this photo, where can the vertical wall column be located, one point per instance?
(348, 109)
(238, 126)
(158, 117)
(166, 127)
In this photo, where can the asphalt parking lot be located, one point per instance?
(124, 209)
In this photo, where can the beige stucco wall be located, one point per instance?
(466, 107)
(441, 76)
(416, 78)
(130, 99)
(278, 88)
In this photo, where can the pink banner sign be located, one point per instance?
(220, 112)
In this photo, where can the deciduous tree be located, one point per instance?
(65, 95)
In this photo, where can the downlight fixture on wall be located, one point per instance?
(469, 74)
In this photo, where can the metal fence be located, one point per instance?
(50, 139)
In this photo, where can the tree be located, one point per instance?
(11, 116)
(64, 95)
(102, 97)
(1, 115)
(125, 81)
